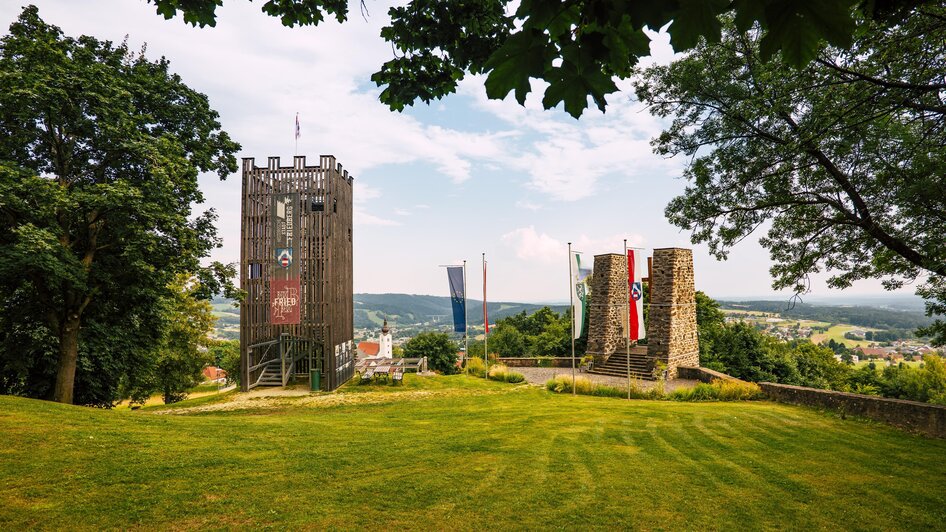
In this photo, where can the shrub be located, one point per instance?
(475, 366)
(501, 373)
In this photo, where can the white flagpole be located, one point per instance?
(485, 314)
(571, 302)
(466, 326)
(627, 304)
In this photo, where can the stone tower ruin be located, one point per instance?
(671, 325)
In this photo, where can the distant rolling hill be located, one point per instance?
(409, 309)
(404, 309)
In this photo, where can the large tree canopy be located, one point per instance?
(576, 46)
(843, 161)
(100, 150)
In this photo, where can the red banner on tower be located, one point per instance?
(284, 302)
(285, 295)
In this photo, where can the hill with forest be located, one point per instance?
(864, 316)
(403, 309)
(411, 309)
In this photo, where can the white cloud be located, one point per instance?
(402, 212)
(613, 243)
(363, 193)
(364, 218)
(566, 159)
(529, 244)
(528, 205)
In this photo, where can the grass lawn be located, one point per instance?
(836, 333)
(881, 364)
(462, 453)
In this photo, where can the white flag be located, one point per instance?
(580, 293)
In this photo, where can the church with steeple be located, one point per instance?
(383, 348)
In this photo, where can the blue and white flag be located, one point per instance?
(457, 297)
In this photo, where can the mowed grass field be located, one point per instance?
(462, 453)
(836, 333)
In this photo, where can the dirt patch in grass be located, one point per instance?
(276, 398)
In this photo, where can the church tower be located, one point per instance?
(385, 343)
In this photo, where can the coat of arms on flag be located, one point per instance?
(284, 257)
(637, 291)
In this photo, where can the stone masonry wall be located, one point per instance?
(917, 417)
(606, 312)
(671, 330)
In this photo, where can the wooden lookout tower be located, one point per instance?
(296, 271)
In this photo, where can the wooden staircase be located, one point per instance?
(270, 375)
(617, 364)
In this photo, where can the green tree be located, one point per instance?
(817, 366)
(740, 350)
(477, 349)
(710, 322)
(841, 160)
(707, 311)
(553, 341)
(440, 350)
(926, 383)
(225, 354)
(99, 154)
(183, 351)
(577, 47)
(507, 341)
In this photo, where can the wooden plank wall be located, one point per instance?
(325, 261)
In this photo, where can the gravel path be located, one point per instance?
(541, 375)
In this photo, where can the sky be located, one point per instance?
(434, 184)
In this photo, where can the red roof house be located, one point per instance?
(368, 349)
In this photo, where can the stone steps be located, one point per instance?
(618, 364)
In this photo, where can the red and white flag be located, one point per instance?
(636, 266)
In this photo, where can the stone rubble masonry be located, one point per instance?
(606, 312)
(924, 418)
(671, 329)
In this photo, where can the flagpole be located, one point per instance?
(466, 326)
(297, 134)
(485, 315)
(627, 303)
(571, 303)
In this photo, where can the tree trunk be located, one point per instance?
(68, 355)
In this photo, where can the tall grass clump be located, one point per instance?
(583, 386)
(501, 373)
(718, 390)
(732, 390)
(475, 366)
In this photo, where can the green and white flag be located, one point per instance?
(580, 270)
